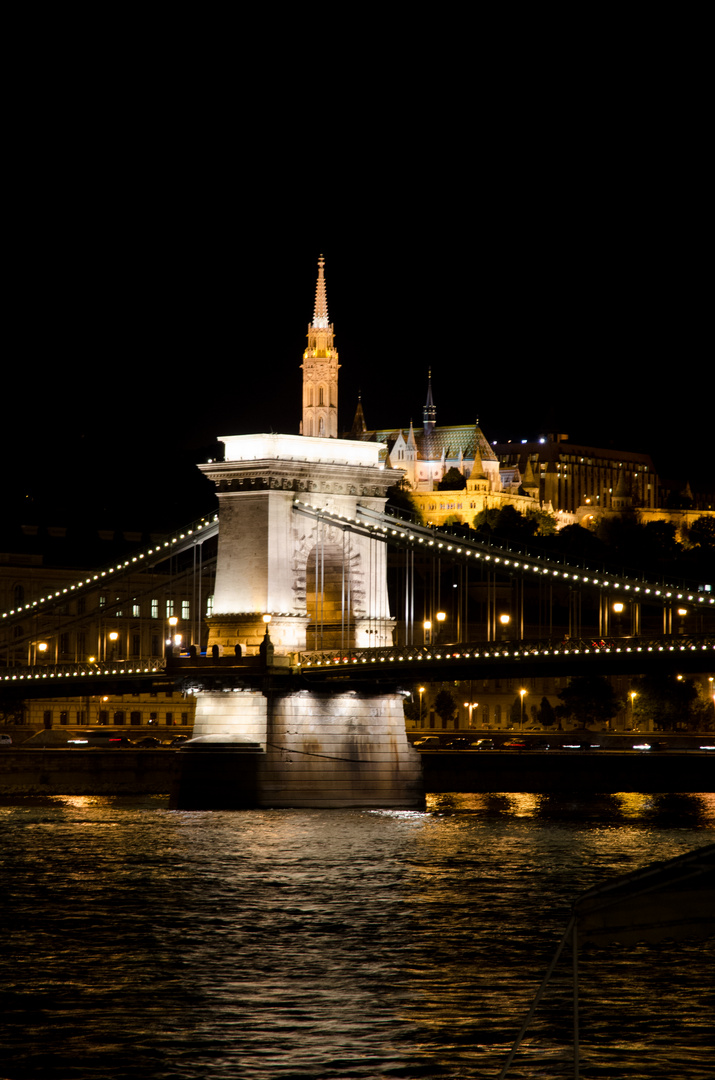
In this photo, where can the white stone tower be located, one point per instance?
(320, 369)
(323, 586)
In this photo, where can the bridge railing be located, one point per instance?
(573, 647)
(89, 669)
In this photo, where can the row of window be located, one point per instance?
(171, 608)
(119, 717)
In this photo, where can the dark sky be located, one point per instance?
(553, 279)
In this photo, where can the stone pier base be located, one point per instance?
(317, 749)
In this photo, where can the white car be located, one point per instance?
(5, 740)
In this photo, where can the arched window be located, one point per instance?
(310, 396)
(321, 426)
(19, 594)
(321, 396)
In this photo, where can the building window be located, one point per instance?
(136, 610)
(135, 718)
(102, 601)
(153, 717)
(155, 609)
(80, 716)
(136, 644)
(103, 717)
(169, 719)
(155, 647)
(210, 605)
(64, 716)
(497, 715)
(185, 719)
(119, 717)
(185, 609)
(47, 718)
(321, 396)
(18, 594)
(169, 609)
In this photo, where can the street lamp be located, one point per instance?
(504, 620)
(421, 691)
(632, 695)
(522, 695)
(441, 616)
(427, 632)
(114, 638)
(471, 705)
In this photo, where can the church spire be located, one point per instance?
(320, 369)
(320, 311)
(429, 412)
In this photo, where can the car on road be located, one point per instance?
(5, 740)
(483, 744)
(429, 742)
(109, 740)
(460, 742)
(514, 744)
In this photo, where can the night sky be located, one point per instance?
(156, 305)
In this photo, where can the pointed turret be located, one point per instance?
(320, 369)
(320, 310)
(429, 412)
(359, 426)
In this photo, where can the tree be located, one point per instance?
(445, 705)
(544, 523)
(507, 522)
(590, 700)
(546, 714)
(12, 710)
(399, 498)
(670, 703)
(453, 480)
(701, 533)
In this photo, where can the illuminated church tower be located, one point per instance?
(320, 370)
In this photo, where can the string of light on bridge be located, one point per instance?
(545, 567)
(156, 553)
(417, 654)
(69, 671)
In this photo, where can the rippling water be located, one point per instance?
(139, 942)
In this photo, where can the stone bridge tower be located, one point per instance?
(322, 586)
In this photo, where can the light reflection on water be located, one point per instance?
(336, 944)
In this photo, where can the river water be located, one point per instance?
(141, 942)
